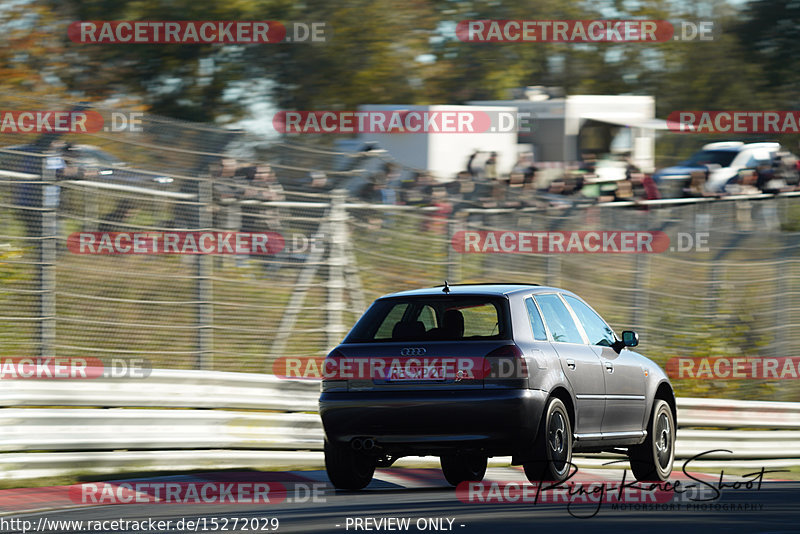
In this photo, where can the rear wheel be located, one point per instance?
(458, 468)
(553, 445)
(348, 469)
(652, 460)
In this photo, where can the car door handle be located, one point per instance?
(609, 367)
(571, 364)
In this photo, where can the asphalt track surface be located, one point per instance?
(424, 498)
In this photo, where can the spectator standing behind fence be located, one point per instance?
(260, 185)
(473, 172)
(418, 191)
(490, 167)
(436, 222)
(224, 192)
(385, 195)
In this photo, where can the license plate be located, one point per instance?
(416, 374)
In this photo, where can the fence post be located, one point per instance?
(91, 209)
(204, 286)
(337, 258)
(640, 296)
(783, 294)
(47, 217)
(553, 273)
(453, 257)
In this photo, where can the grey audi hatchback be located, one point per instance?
(467, 372)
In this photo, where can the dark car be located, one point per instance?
(79, 161)
(468, 372)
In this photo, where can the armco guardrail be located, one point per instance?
(243, 419)
(168, 389)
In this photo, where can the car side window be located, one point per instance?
(598, 332)
(480, 320)
(537, 325)
(392, 318)
(558, 319)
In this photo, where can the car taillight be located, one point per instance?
(505, 367)
(331, 381)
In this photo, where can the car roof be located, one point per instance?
(724, 145)
(489, 289)
(738, 146)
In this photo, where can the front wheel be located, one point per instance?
(553, 445)
(348, 469)
(458, 468)
(652, 460)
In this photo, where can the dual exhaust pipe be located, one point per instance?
(362, 444)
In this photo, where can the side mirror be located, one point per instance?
(630, 338)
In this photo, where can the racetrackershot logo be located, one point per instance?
(566, 242)
(196, 32)
(69, 122)
(582, 31)
(257, 243)
(73, 368)
(402, 121)
(744, 368)
(735, 122)
(584, 499)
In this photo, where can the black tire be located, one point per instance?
(458, 468)
(553, 446)
(348, 469)
(652, 460)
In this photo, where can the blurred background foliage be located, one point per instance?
(400, 52)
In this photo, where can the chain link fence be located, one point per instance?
(738, 293)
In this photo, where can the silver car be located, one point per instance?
(467, 372)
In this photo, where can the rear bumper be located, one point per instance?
(409, 422)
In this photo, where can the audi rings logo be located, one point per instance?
(413, 351)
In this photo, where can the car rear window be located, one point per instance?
(433, 319)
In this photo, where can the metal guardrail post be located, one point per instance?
(204, 284)
(47, 218)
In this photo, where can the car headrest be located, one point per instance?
(454, 323)
(408, 330)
